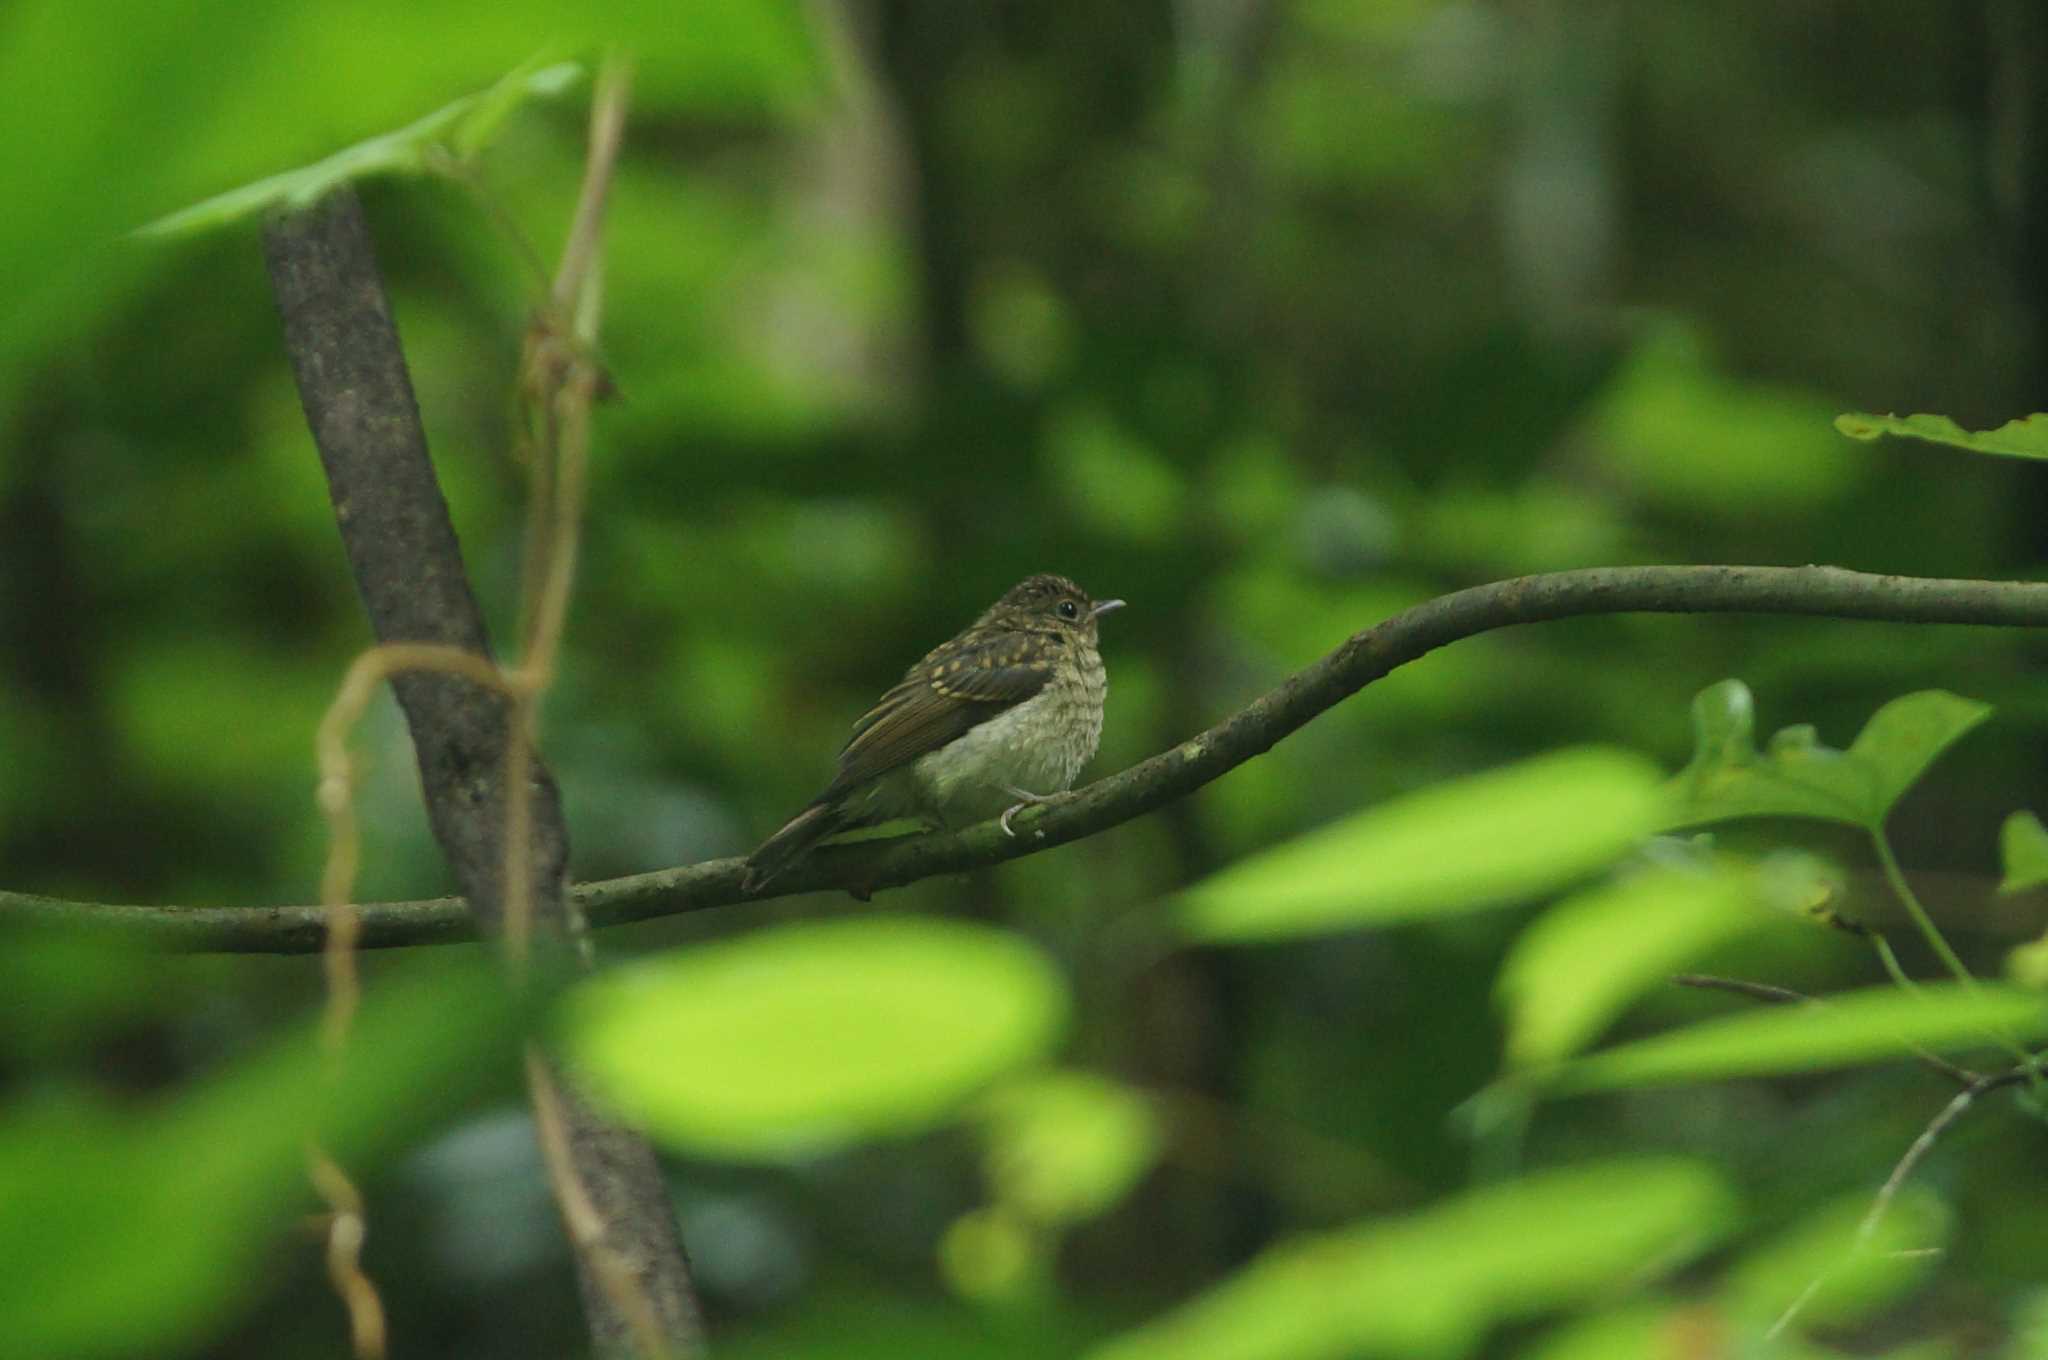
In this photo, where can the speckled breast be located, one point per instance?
(1038, 746)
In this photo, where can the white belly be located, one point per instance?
(1039, 746)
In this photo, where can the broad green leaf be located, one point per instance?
(2023, 847)
(1797, 776)
(99, 150)
(1577, 966)
(794, 1039)
(1066, 1145)
(1876, 1024)
(2026, 438)
(1856, 1279)
(1435, 1282)
(219, 1169)
(463, 125)
(1905, 737)
(1473, 843)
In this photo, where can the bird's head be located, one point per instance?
(1045, 602)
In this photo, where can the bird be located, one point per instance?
(1002, 715)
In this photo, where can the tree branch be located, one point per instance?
(401, 547)
(1828, 592)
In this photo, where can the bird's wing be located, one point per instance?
(944, 696)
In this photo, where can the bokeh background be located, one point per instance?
(1271, 317)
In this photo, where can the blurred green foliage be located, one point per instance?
(458, 131)
(1582, 962)
(2023, 849)
(1463, 845)
(1861, 1026)
(806, 1037)
(131, 1230)
(1431, 1283)
(1269, 318)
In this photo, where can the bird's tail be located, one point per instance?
(786, 846)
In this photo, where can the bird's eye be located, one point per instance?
(1069, 610)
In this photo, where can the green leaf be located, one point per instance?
(1799, 777)
(2027, 964)
(1876, 1024)
(790, 1040)
(1907, 736)
(1473, 843)
(2023, 848)
(464, 125)
(2027, 438)
(486, 112)
(1856, 1281)
(219, 1169)
(1629, 1332)
(1579, 964)
(1066, 1145)
(1435, 1282)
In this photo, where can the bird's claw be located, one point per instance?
(1025, 798)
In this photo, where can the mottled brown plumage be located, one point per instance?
(1007, 711)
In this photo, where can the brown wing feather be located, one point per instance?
(944, 696)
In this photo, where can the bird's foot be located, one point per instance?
(1025, 798)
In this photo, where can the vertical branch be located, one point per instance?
(402, 552)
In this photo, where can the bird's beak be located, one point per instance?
(1103, 607)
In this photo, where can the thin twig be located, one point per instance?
(1958, 1105)
(1975, 1085)
(565, 387)
(1755, 991)
(562, 380)
(1778, 996)
(607, 128)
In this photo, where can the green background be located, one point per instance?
(1270, 318)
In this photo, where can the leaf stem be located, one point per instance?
(1890, 960)
(1896, 876)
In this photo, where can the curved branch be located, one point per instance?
(1829, 592)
